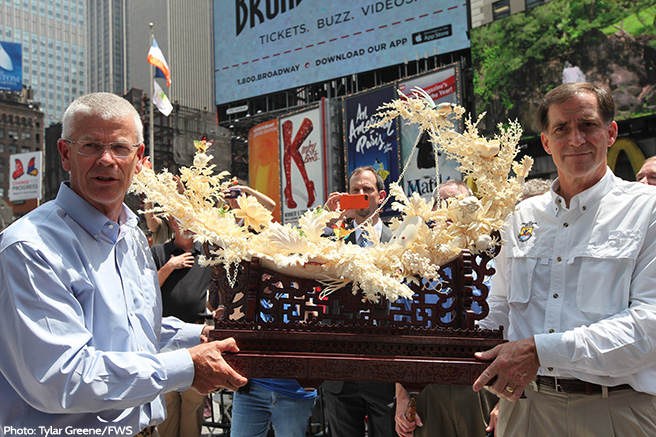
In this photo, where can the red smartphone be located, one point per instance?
(353, 201)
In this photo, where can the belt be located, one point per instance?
(574, 386)
(146, 432)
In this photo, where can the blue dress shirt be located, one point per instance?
(84, 344)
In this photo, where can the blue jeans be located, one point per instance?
(253, 412)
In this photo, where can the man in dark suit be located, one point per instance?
(349, 403)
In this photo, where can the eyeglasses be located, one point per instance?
(97, 149)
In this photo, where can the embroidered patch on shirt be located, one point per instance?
(526, 232)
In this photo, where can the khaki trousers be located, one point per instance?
(184, 414)
(453, 411)
(547, 413)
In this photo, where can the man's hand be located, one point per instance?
(183, 261)
(332, 204)
(494, 416)
(404, 427)
(211, 372)
(515, 365)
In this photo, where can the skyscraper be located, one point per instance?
(107, 34)
(184, 33)
(54, 44)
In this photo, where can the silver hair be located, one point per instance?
(535, 187)
(104, 105)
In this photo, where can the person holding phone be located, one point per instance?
(349, 403)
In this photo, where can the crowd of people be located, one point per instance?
(105, 332)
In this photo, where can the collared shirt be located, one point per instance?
(359, 231)
(582, 282)
(80, 316)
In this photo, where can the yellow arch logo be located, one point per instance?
(632, 150)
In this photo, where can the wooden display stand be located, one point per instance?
(285, 330)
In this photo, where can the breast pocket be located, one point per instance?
(606, 269)
(520, 271)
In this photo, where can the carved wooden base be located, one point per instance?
(285, 331)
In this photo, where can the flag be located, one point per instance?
(156, 57)
(161, 101)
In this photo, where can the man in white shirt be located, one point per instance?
(576, 288)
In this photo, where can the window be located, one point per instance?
(2, 162)
(2, 148)
(2, 131)
(530, 4)
(500, 9)
(25, 149)
(12, 134)
(26, 135)
(13, 149)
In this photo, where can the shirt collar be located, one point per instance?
(89, 218)
(378, 227)
(585, 199)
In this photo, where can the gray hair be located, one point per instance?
(535, 187)
(104, 105)
(562, 93)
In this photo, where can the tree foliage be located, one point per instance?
(502, 49)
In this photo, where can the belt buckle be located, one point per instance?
(557, 386)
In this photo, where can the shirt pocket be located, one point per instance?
(520, 269)
(606, 270)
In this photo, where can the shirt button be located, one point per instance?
(584, 208)
(550, 369)
(551, 331)
(565, 225)
(559, 259)
(555, 295)
(111, 226)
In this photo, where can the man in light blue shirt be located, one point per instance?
(85, 348)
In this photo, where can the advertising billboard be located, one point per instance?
(11, 66)
(443, 86)
(26, 174)
(264, 161)
(519, 58)
(374, 146)
(268, 46)
(303, 163)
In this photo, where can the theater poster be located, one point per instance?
(302, 163)
(263, 161)
(442, 86)
(374, 146)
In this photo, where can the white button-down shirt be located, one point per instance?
(582, 281)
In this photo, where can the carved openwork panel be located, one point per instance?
(264, 296)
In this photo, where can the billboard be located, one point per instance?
(303, 163)
(11, 66)
(268, 46)
(264, 161)
(519, 58)
(25, 172)
(377, 147)
(443, 86)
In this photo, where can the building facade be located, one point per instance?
(184, 33)
(107, 34)
(21, 131)
(54, 44)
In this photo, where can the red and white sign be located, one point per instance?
(25, 176)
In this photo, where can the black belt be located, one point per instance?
(574, 386)
(146, 432)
